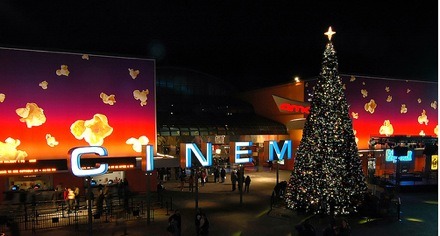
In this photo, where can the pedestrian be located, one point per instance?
(344, 228)
(233, 180)
(71, 199)
(247, 183)
(175, 224)
(191, 182)
(99, 203)
(76, 192)
(216, 174)
(204, 225)
(182, 178)
(223, 174)
(198, 218)
(160, 189)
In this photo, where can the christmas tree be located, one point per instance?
(327, 177)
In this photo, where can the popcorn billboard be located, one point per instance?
(51, 102)
(385, 107)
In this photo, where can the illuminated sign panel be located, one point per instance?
(434, 162)
(51, 102)
(389, 156)
(289, 106)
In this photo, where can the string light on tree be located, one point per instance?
(327, 176)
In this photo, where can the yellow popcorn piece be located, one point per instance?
(434, 105)
(356, 139)
(436, 130)
(370, 106)
(43, 84)
(141, 96)
(344, 87)
(389, 98)
(137, 143)
(387, 89)
(85, 57)
(108, 99)
(403, 109)
(355, 115)
(422, 133)
(423, 118)
(133, 73)
(408, 90)
(93, 131)
(352, 78)
(63, 71)
(32, 115)
(2, 97)
(419, 100)
(9, 152)
(51, 141)
(364, 93)
(387, 128)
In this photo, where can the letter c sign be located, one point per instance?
(75, 161)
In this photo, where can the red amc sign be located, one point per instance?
(289, 106)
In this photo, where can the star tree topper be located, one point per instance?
(330, 33)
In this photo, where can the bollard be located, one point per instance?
(398, 209)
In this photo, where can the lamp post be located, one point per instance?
(148, 174)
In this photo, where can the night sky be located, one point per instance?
(251, 44)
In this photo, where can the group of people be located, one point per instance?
(336, 227)
(238, 178)
(201, 223)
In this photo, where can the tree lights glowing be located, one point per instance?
(327, 176)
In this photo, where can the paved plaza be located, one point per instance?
(254, 215)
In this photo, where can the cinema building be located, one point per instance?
(124, 104)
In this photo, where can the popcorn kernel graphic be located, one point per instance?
(403, 109)
(389, 98)
(364, 93)
(387, 128)
(137, 143)
(51, 141)
(408, 90)
(370, 106)
(434, 105)
(63, 71)
(387, 89)
(85, 57)
(93, 131)
(108, 99)
(133, 73)
(422, 133)
(2, 97)
(355, 115)
(43, 84)
(419, 100)
(32, 115)
(436, 130)
(141, 95)
(352, 78)
(9, 152)
(423, 118)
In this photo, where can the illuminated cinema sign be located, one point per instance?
(240, 148)
(289, 106)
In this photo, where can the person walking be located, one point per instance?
(175, 224)
(216, 174)
(197, 220)
(247, 183)
(204, 225)
(191, 182)
(234, 180)
(223, 174)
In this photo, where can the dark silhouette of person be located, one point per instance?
(247, 183)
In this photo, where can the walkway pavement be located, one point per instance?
(419, 214)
